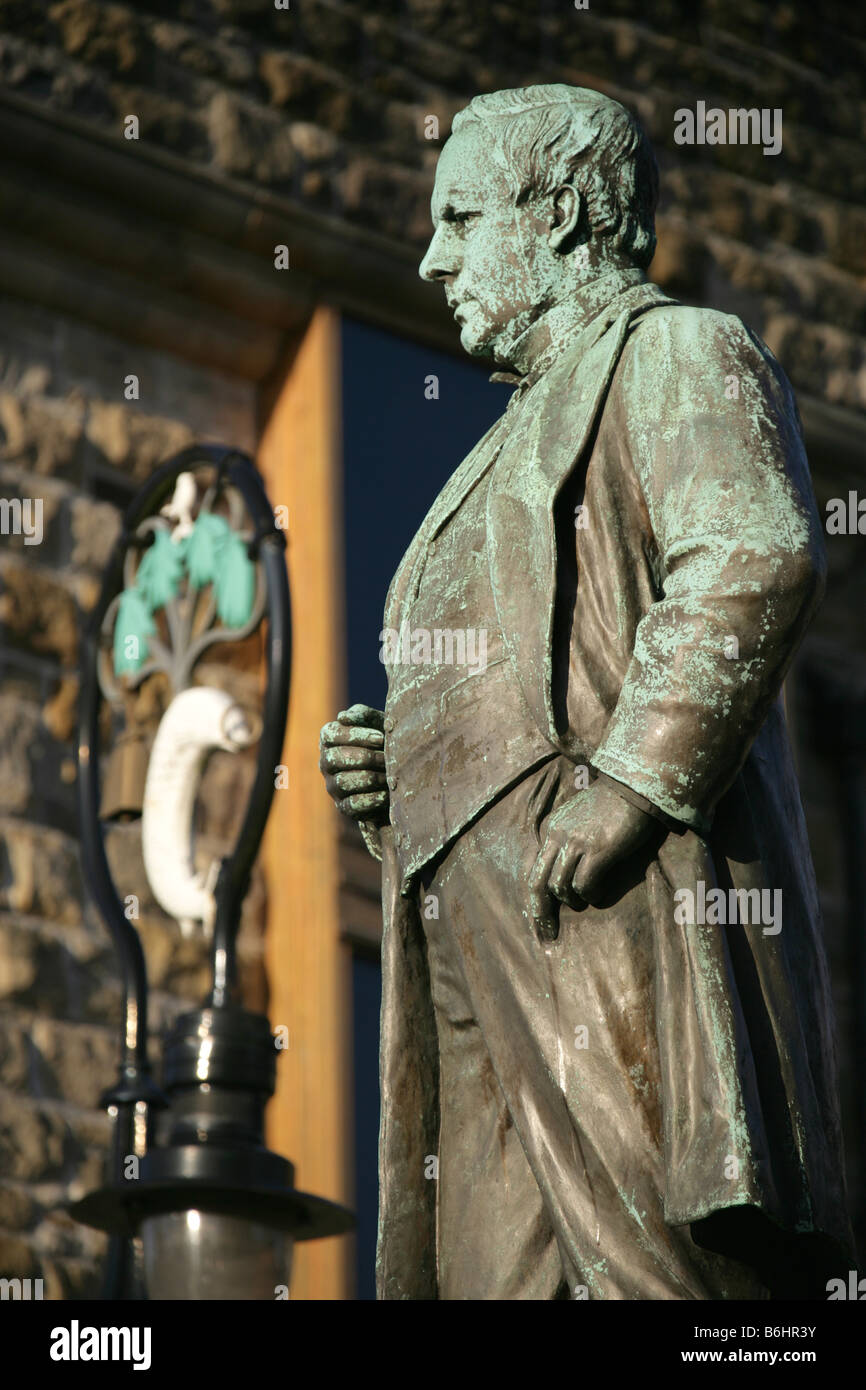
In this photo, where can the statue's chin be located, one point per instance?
(474, 343)
(468, 340)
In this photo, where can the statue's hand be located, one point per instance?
(585, 839)
(352, 761)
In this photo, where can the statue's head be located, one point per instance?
(538, 191)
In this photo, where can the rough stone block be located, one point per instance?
(34, 1139)
(19, 1210)
(40, 875)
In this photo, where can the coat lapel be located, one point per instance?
(542, 451)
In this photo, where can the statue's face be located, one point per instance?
(493, 258)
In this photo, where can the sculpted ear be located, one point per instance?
(565, 217)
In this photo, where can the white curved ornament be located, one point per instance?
(197, 720)
(180, 508)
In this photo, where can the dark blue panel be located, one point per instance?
(366, 1001)
(399, 449)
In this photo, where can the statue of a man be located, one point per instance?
(607, 1056)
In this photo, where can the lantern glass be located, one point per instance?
(203, 1255)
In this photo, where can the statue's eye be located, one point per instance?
(464, 217)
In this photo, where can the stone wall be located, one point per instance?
(326, 101)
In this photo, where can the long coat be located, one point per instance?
(671, 436)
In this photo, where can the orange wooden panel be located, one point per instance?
(309, 967)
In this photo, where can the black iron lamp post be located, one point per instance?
(196, 1206)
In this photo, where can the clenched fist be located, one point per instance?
(352, 761)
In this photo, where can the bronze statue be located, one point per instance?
(607, 1056)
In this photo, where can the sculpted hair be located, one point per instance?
(547, 136)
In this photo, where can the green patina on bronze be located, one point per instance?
(638, 540)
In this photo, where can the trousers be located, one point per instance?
(550, 1158)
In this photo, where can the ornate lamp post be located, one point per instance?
(196, 1206)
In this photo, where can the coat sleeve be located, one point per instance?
(713, 433)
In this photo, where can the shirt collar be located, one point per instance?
(569, 323)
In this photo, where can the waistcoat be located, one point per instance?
(458, 728)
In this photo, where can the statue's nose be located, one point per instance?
(425, 269)
(436, 263)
